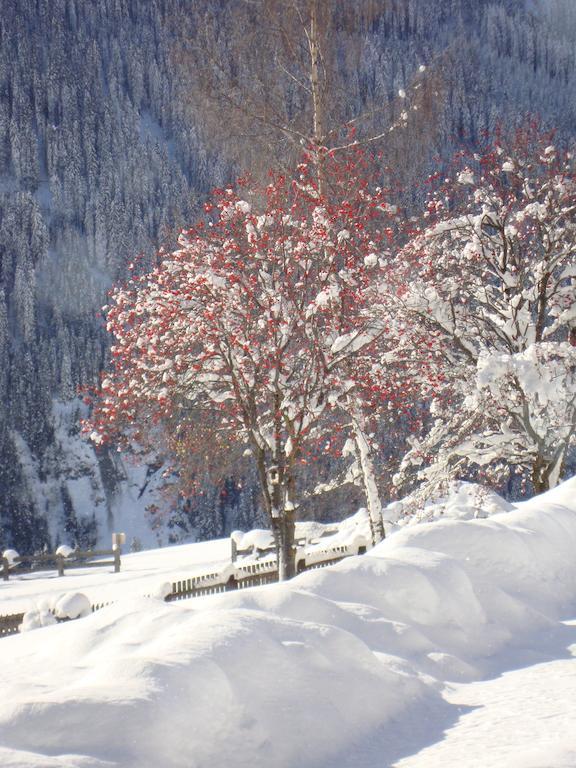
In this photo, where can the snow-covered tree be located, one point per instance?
(265, 77)
(493, 286)
(253, 327)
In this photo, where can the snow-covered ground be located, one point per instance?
(450, 644)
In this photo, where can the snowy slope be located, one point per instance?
(114, 494)
(390, 659)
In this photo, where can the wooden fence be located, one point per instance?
(251, 574)
(199, 587)
(239, 575)
(60, 563)
(9, 624)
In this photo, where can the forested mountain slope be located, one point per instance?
(101, 159)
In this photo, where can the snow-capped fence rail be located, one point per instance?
(61, 562)
(259, 543)
(254, 553)
(252, 564)
(197, 587)
(255, 573)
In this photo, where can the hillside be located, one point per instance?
(101, 159)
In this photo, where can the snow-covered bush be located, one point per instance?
(73, 605)
(461, 501)
(37, 618)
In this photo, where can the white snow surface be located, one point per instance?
(447, 645)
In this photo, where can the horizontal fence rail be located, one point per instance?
(60, 563)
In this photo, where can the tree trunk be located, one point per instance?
(317, 90)
(373, 502)
(538, 483)
(545, 474)
(282, 521)
(283, 524)
(284, 529)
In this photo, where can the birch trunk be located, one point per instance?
(317, 90)
(364, 454)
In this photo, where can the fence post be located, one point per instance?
(5, 569)
(117, 540)
(233, 549)
(60, 564)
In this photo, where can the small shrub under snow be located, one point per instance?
(36, 619)
(73, 605)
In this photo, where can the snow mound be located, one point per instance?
(35, 619)
(353, 526)
(64, 550)
(74, 605)
(163, 590)
(353, 532)
(295, 674)
(258, 538)
(197, 688)
(10, 555)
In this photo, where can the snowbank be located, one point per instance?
(294, 674)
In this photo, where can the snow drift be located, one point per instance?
(293, 674)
